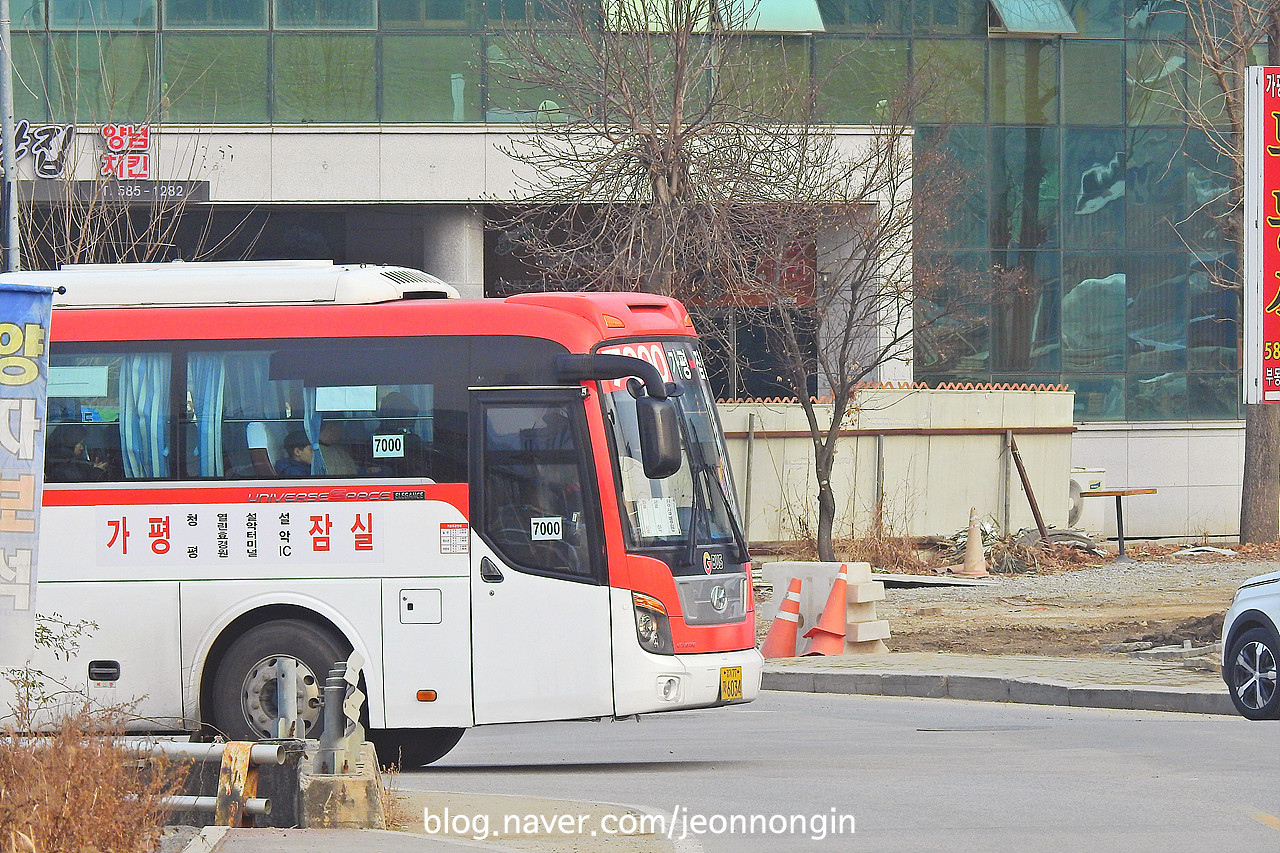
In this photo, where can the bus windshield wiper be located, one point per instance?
(708, 474)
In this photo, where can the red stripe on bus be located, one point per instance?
(454, 494)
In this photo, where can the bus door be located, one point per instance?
(540, 599)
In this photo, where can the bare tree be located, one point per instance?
(1223, 38)
(654, 128)
(870, 217)
(669, 155)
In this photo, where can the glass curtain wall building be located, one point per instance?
(1086, 179)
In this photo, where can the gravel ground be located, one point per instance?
(1106, 583)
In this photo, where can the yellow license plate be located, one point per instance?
(730, 683)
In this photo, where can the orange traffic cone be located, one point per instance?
(975, 562)
(828, 634)
(781, 640)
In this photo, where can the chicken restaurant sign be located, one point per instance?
(1262, 236)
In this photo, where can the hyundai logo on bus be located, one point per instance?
(712, 562)
(719, 598)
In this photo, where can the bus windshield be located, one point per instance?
(697, 506)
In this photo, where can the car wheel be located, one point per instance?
(245, 686)
(1251, 674)
(411, 748)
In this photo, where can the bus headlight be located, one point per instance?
(653, 630)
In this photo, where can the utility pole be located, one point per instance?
(8, 165)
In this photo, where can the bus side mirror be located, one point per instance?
(659, 437)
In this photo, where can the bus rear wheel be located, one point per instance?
(245, 705)
(410, 748)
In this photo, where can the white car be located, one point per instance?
(1251, 648)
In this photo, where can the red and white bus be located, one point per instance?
(514, 509)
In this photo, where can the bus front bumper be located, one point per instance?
(680, 682)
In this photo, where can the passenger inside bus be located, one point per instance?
(298, 454)
(67, 460)
(337, 461)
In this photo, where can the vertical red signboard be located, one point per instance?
(1270, 295)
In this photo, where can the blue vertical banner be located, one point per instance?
(24, 375)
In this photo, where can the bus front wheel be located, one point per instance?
(410, 748)
(245, 705)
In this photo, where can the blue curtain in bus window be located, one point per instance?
(311, 422)
(250, 392)
(144, 415)
(205, 379)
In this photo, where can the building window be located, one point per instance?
(215, 14)
(326, 14)
(430, 78)
(859, 78)
(1024, 81)
(215, 78)
(324, 78)
(1092, 82)
(100, 15)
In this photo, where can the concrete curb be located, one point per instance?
(999, 688)
(207, 841)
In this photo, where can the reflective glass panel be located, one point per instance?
(510, 98)
(1212, 306)
(27, 14)
(1024, 81)
(1026, 312)
(1154, 72)
(1157, 315)
(322, 78)
(430, 78)
(879, 16)
(857, 77)
(952, 332)
(326, 14)
(102, 14)
(1093, 189)
(966, 148)
(1155, 188)
(1093, 313)
(431, 14)
(1157, 397)
(30, 85)
(1098, 398)
(951, 17)
(1213, 396)
(215, 14)
(1208, 195)
(768, 84)
(1153, 19)
(106, 77)
(1024, 187)
(954, 70)
(215, 78)
(1097, 17)
(1092, 82)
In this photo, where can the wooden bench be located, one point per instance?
(1119, 495)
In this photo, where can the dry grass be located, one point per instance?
(75, 791)
(395, 809)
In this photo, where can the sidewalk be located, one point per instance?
(1122, 683)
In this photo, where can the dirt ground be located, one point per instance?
(1078, 609)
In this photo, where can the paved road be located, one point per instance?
(916, 774)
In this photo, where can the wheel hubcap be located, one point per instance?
(259, 696)
(1255, 675)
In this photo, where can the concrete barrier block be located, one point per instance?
(862, 593)
(347, 800)
(862, 632)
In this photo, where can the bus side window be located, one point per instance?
(120, 410)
